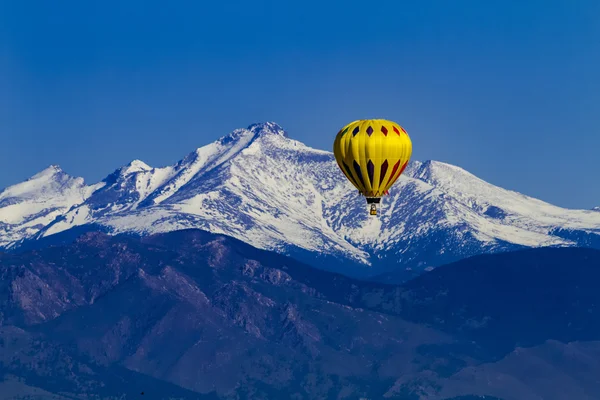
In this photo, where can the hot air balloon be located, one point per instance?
(372, 153)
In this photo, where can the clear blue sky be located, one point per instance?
(509, 90)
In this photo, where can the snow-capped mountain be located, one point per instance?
(262, 187)
(29, 206)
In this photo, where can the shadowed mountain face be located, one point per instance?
(513, 299)
(33, 366)
(207, 317)
(211, 315)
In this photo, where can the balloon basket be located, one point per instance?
(373, 210)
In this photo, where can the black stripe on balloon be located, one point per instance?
(349, 174)
(359, 173)
(384, 168)
(371, 172)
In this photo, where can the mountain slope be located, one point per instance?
(213, 315)
(262, 187)
(36, 368)
(29, 206)
(532, 315)
(491, 298)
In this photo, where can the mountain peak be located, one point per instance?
(47, 172)
(135, 166)
(436, 172)
(51, 182)
(252, 132)
(123, 172)
(267, 128)
(432, 164)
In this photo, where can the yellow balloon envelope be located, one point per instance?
(372, 153)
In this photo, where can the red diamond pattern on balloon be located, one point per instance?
(393, 173)
(396, 130)
(384, 130)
